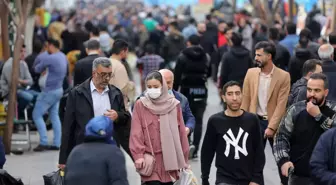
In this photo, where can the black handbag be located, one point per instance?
(54, 178)
(7, 179)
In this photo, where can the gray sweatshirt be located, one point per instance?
(6, 75)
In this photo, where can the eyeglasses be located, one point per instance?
(106, 75)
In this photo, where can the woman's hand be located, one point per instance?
(187, 167)
(140, 163)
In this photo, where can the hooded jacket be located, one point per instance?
(235, 64)
(191, 70)
(85, 168)
(297, 61)
(282, 56)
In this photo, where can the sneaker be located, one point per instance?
(191, 151)
(41, 148)
(54, 148)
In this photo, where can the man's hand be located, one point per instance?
(140, 163)
(187, 130)
(285, 167)
(22, 82)
(61, 166)
(269, 133)
(112, 114)
(253, 183)
(313, 109)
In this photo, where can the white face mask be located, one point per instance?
(154, 93)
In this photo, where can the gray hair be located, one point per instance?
(325, 51)
(103, 61)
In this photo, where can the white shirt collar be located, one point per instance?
(270, 74)
(93, 88)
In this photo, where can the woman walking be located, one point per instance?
(158, 128)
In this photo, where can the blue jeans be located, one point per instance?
(48, 101)
(25, 97)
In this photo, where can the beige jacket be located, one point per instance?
(277, 95)
(121, 81)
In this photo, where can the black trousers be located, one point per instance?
(263, 126)
(158, 183)
(198, 109)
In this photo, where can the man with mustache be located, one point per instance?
(266, 90)
(94, 97)
(301, 128)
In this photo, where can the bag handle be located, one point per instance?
(150, 142)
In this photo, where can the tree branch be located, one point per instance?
(29, 7)
(277, 4)
(15, 18)
(19, 10)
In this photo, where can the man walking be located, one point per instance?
(92, 98)
(235, 62)
(299, 88)
(300, 129)
(83, 68)
(55, 62)
(119, 73)
(266, 90)
(191, 78)
(188, 117)
(243, 162)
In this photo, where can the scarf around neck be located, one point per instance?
(165, 108)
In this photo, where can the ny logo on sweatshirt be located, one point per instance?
(230, 139)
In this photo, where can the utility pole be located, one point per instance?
(23, 9)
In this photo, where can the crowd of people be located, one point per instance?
(274, 85)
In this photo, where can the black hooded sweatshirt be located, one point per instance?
(297, 61)
(235, 64)
(191, 72)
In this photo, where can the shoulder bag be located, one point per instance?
(149, 159)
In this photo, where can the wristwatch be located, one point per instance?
(318, 117)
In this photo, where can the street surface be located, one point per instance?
(32, 166)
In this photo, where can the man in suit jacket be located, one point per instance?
(83, 68)
(266, 90)
(92, 98)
